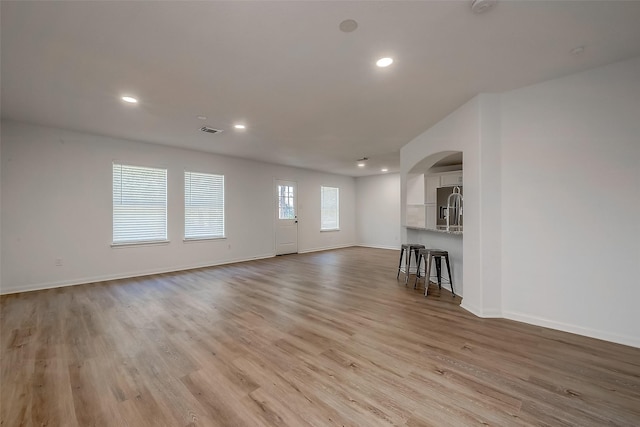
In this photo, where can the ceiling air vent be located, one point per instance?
(209, 129)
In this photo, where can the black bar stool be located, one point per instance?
(407, 249)
(437, 255)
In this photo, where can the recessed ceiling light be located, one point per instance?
(360, 165)
(239, 126)
(384, 62)
(130, 99)
(201, 117)
(384, 170)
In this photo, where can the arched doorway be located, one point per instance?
(428, 179)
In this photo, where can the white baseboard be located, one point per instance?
(127, 275)
(326, 248)
(484, 313)
(552, 324)
(94, 279)
(493, 313)
(471, 309)
(393, 248)
(574, 329)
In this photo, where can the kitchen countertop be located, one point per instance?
(454, 232)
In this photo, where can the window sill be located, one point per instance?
(202, 239)
(328, 230)
(150, 243)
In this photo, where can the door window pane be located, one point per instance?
(286, 202)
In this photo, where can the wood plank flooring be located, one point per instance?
(323, 339)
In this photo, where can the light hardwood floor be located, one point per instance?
(325, 339)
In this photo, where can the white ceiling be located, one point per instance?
(309, 94)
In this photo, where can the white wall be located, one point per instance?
(571, 203)
(552, 201)
(378, 211)
(473, 133)
(491, 204)
(0, 206)
(56, 203)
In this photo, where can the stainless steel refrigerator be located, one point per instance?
(454, 209)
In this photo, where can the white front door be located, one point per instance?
(286, 217)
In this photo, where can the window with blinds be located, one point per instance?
(203, 205)
(139, 204)
(329, 208)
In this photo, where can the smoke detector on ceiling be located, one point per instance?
(210, 129)
(480, 6)
(348, 25)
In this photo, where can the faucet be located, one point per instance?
(456, 205)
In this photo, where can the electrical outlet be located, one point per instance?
(58, 262)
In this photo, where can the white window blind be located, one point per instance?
(139, 204)
(203, 205)
(330, 208)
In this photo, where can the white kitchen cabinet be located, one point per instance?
(431, 188)
(450, 179)
(415, 189)
(422, 197)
